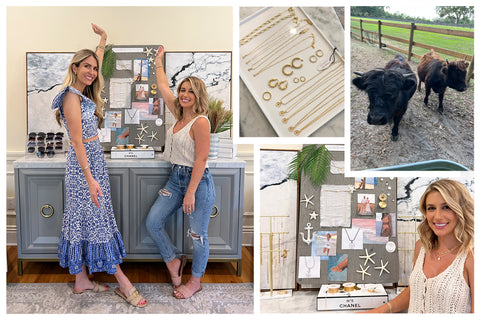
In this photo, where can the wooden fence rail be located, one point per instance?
(411, 42)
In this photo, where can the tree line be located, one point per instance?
(462, 15)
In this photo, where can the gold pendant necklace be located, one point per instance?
(439, 255)
(267, 25)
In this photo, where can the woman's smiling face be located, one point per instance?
(441, 219)
(87, 71)
(186, 97)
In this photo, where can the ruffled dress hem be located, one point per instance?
(97, 257)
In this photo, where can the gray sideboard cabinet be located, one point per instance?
(39, 190)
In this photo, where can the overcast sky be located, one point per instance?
(415, 11)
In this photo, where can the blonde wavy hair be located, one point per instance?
(459, 200)
(92, 91)
(201, 98)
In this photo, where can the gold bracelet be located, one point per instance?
(157, 67)
(88, 166)
(101, 47)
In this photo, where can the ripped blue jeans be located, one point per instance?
(169, 201)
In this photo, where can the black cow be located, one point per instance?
(389, 90)
(439, 74)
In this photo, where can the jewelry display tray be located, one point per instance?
(355, 300)
(258, 85)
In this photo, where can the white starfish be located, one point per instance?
(153, 136)
(307, 200)
(363, 272)
(105, 100)
(148, 51)
(313, 215)
(367, 257)
(139, 138)
(131, 80)
(142, 129)
(383, 267)
(151, 60)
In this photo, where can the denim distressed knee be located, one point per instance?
(169, 201)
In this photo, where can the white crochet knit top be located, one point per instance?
(447, 292)
(179, 146)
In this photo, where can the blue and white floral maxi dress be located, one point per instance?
(89, 234)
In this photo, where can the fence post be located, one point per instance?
(380, 34)
(410, 44)
(361, 30)
(470, 70)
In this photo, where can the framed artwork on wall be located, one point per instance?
(45, 74)
(214, 68)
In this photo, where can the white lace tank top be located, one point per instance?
(179, 146)
(447, 292)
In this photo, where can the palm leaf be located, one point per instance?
(314, 162)
(108, 63)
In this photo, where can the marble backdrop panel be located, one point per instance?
(278, 216)
(45, 75)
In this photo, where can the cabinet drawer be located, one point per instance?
(223, 229)
(145, 186)
(39, 210)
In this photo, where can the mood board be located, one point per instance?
(347, 229)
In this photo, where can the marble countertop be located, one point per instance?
(252, 121)
(32, 162)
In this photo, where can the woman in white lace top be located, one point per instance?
(442, 279)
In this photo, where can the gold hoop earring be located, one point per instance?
(283, 85)
(295, 80)
(283, 70)
(313, 59)
(319, 53)
(267, 96)
(272, 83)
(297, 59)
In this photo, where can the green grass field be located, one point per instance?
(454, 43)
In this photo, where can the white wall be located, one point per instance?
(67, 29)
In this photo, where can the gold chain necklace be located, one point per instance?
(281, 102)
(297, 132)
(439, 255)
(267, 25)
(275, 44)
(267, 43)
(274, 62)
(285, 120)
(271, 50)
(309, 91)
(317, 107)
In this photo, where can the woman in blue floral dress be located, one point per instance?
(90, 238)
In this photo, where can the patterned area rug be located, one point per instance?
(58, 298)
